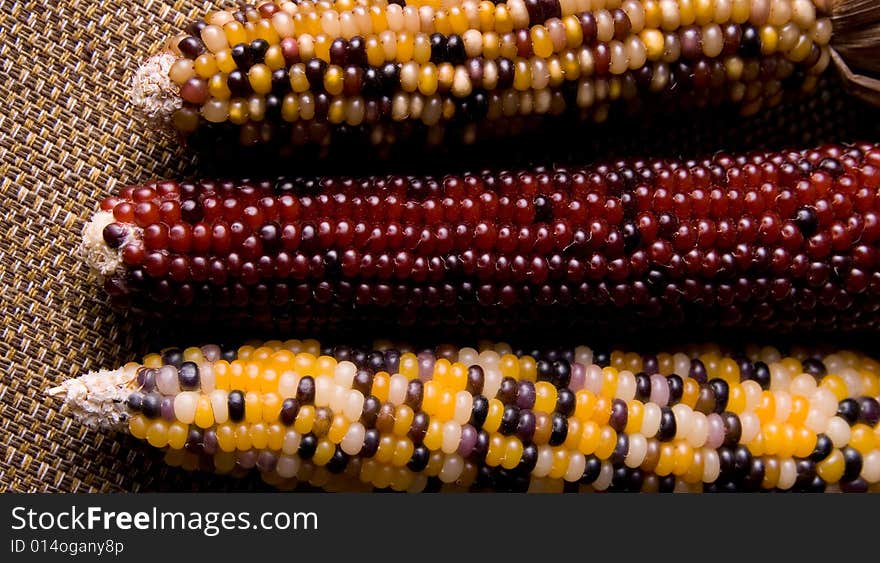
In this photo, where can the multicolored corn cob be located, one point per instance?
(308, 72)
(547, 420)
(771, 241)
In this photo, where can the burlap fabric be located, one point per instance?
(67, 138)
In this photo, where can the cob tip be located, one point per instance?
(152, 92)
(95, 251)
(97, 399)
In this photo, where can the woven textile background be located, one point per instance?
(66, 139)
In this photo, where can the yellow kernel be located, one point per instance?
(766, 408)
(243, 441)
(253, 408)
(862, 438)
(221, 375)
(217, 87)
(635, 416)
(832, 467)
(729, 371)
(299, 83)
(157, 434)
(235, 33)
(528, 368)
(836, 385)
(338, 428)
(503, 21)
(271, 407)
(421, 49)
(305, 419)
(666, 462)
(326, 365)
(137, 426)
(458, 20)
(609, 382)
(274, 58)
(409, 366)
(225, 62)
(268, 379)
(493, 418)
(509, 366)
(736, 402)
(403, 451)
(403, 418)
(428, 79)
(431, 397)
(442, 368)
(276, 436)
(574, 434)
(512, 453)
(253, 375)
(260, 78)
(336, 112)
(496, 451)
(434, 435)
(560, 463)
(458, 377)
(602, 412)
(585, 404)
(769, 39)
(805, 442)
(545, 397)
(259, 435)
(238, 111)
(304, 364)
(405, 47)
(381, 384)
(378, 19)
(682, 458)
(204, 412)
(205, 66)
(542, 45)
(773, 437)
(323, 452)
(574, 34)
(153, 361)
(226, 437)
(607, 442)
(589, 439)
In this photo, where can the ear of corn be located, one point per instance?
(552, 419)
(310, 72)
(767, 241)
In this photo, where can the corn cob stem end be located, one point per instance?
(95, 251)
(152, 92)
(97, 399)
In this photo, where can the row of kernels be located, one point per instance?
(486, 16)
(198, 77)
(524, 99)
(775, 407)
(678, 457)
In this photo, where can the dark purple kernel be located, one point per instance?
(151, 405)
(188, 376)
(135, 401)
(235, 405)
(305, 391)
(565, 402)
(114, 234)
(619, 415)
(191, 47)
(289, 410)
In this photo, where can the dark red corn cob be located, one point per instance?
(768, 241)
